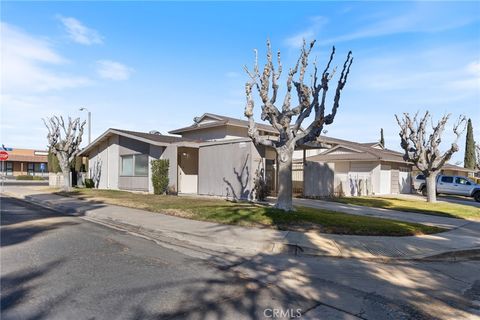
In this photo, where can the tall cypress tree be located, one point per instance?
(382, 140)
(469, 161)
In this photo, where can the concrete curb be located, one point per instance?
(228, 252)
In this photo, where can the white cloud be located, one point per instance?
(79, 33)
(112, 70)
(25, 62)
(296, 41)
(420, 18)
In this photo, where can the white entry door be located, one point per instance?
(385, 179)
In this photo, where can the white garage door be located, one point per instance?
(385, 180)
(404, 180)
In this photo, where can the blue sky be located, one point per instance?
(154, 65)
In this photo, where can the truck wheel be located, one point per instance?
(424, 191)
(476, 196)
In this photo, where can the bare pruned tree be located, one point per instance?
(288, 120)
(422, 148)
(64, 142)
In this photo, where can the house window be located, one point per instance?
(127, 166)
(134, 165)
(141, 165)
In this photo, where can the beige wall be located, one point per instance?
(187, 170)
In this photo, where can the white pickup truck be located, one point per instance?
(453, 185)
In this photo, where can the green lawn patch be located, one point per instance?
(452, 210)
(249, 214)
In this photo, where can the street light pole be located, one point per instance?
(89, 127)
(89, 124)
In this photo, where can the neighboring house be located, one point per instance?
(451, 170)
(123, 158)
(353, 169)
(214, 156)
(25, 162)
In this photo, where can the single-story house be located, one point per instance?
(353, 169)
(214, 156)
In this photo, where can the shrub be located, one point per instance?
(160, 176)
(38, 178)
(89, 183)
(53, 165)
(24, 177)
(260, 186)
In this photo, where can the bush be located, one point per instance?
(38, 178)
(89, 183)
(24, 177)
(160, 176)
(260, 187)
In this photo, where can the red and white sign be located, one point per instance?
(3, 155)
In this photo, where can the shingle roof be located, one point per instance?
(223, 120)
(156, 137)
(362, 152)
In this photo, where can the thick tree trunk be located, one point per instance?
(284, 167)
(64, 165)
(432, 188)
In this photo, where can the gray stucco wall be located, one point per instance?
(206, 133)
(129, 146)
(318, 179)
(170, 153)
(106, 155)
(226, 170)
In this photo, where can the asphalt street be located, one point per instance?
(58, 267)
(63, 267)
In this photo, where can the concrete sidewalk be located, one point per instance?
(432, 220)
(245, 242)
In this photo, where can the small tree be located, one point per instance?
(53, 165)
(469, 160)
(160, 176)
(64, 143)
(382, 140)
(424, 152)
(477, 147)
(310, 98)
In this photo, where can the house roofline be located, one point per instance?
(111, 131)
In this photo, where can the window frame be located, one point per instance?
(134, 156)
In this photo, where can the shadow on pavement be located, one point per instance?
(17, 289)
(19, 225)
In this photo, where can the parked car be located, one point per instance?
(419, 184)
(452, 185)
